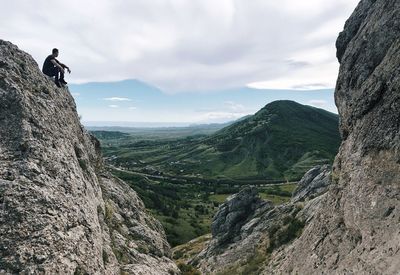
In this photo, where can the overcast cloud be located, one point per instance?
(181, 45)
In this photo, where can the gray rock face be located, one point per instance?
(357, 229)
(232, 215)
(314, 183)
(246, 228)
(235, 232)
(60, 211)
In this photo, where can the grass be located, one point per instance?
(276, 194)
(249, 266)
(291, 229)
(186, 209)
(219, 198)
(183, 209)
(274, 199)
(187, 269)
(182, 254)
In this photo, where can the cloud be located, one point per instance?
(227, 106)
(113, 106)
(234, 107)
(228, 111)
(184, 45)
(218, 117)
(132, 108)
(117, 99)
(310, 86)
(318, 103)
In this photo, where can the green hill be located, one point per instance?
(280, 142)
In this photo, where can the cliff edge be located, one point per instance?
(61, 212)
(357, 229)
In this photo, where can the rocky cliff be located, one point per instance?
(60, 211)
(355, 229)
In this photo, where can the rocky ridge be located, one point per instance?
(61, 212)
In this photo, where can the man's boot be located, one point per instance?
(58, 83)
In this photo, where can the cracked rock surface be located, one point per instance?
(61, 212)
(246, 227)
(357, 230)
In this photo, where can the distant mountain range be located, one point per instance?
(160, 127)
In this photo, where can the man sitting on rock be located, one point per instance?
(53, 67)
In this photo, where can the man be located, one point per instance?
(53, 67)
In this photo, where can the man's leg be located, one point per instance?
(62, 81)
(56, 72)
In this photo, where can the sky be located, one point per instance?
(185, 47)
(125, 103)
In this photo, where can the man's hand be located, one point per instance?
(68, 70)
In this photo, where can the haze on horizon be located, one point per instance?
(184, 47)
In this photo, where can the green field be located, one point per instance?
(186, 210)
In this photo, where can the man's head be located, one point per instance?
(55, 52)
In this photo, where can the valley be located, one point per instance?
(186, 208)
(184, 174)
(159, 156)
(278, 144)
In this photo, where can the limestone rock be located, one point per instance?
(357, 229)
(314, 183)
(234, 213)
(246, 228)
(60, 211)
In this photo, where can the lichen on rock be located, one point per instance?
(61, 212)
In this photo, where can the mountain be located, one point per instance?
(280, 142)
(61, 211)
(354, 228)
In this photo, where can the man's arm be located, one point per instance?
(56, 63)
(66, 67)
(60, 65)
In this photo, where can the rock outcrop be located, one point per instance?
(313, 184)
(61, 212)
(358, 228)
(232, 215)
(246, 229)
(355, 228)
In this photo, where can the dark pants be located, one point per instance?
(57, 72)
